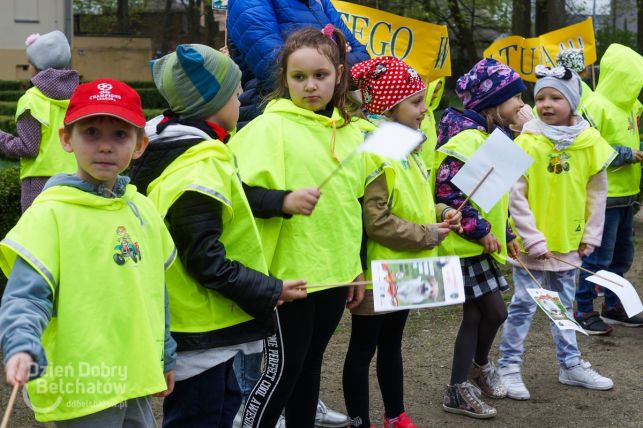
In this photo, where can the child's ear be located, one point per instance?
(141, 145)
(340, 73)
(65, 140)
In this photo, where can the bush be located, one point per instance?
(10, 203)
(7, 108)
(152, 112)
(11, 95)
(152, 99)
(142, 84)
(7, 124)
(12, 85)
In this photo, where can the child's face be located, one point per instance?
(436, 91)
(411, 111)
(311, 78)
(228, 115)
(104, 147)
(509, 110)
(553, 108)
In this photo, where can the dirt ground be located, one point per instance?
(428, 346)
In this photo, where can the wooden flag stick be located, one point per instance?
(346, 284)
(586, 270)
(12, 400)
(528, 272)
(339, 168)
(475, 189)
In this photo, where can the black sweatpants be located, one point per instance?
(294, 358)
(370, 332)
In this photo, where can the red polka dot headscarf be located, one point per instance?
(385, 82)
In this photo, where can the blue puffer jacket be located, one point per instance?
(256, 32)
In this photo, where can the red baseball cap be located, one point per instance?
(106, 97)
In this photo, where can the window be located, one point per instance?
(26, 11)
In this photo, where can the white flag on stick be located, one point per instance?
(392, 140)
(501, 161)
(622, 288)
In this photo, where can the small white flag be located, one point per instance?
(509, 162)
(622, 288)
(392, 140)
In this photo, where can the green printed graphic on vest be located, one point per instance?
(558, 162)
(580, 225)
(126, 247)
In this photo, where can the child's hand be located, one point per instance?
(513, 249)
(454, 217)
(490, 244)
(169, 382)
(17, 368)
(638, 156)
(443, 230)
(302, 201)
(292, 290)
(585, 249)
(355, 293)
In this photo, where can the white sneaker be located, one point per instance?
(329, 418)
(512, 379)
(583, 375)
(281, 423)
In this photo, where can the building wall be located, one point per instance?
(120, 58)
(19, 19)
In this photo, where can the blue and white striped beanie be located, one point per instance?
(196, 80)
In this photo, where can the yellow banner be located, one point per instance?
(423, 46)
(523, 55)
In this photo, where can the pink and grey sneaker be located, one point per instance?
(402, 421)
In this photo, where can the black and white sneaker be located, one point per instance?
(618, 316)
(592, 323)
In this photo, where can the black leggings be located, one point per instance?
(481, 319)
(369, 332)
(293, 360)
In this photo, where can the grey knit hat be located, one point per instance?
(574, 59)
(564, 80)
(196, 80)
(49, 50)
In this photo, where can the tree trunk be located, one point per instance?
(464, 33)
(550, 15)
(167, 22)
(521, 18)
(194, 27)
(122, 16)
(557, 15)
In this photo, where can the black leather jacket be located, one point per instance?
(195, 223)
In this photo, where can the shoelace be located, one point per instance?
(473, 389)
(590, 371)
(513, 378)
(493, 377)
(321, 407)
(475, 393)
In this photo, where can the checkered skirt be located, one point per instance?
(481, 276)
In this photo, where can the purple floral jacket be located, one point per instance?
(452, 122)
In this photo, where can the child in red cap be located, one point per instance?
(399, 218)
(84, 319)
